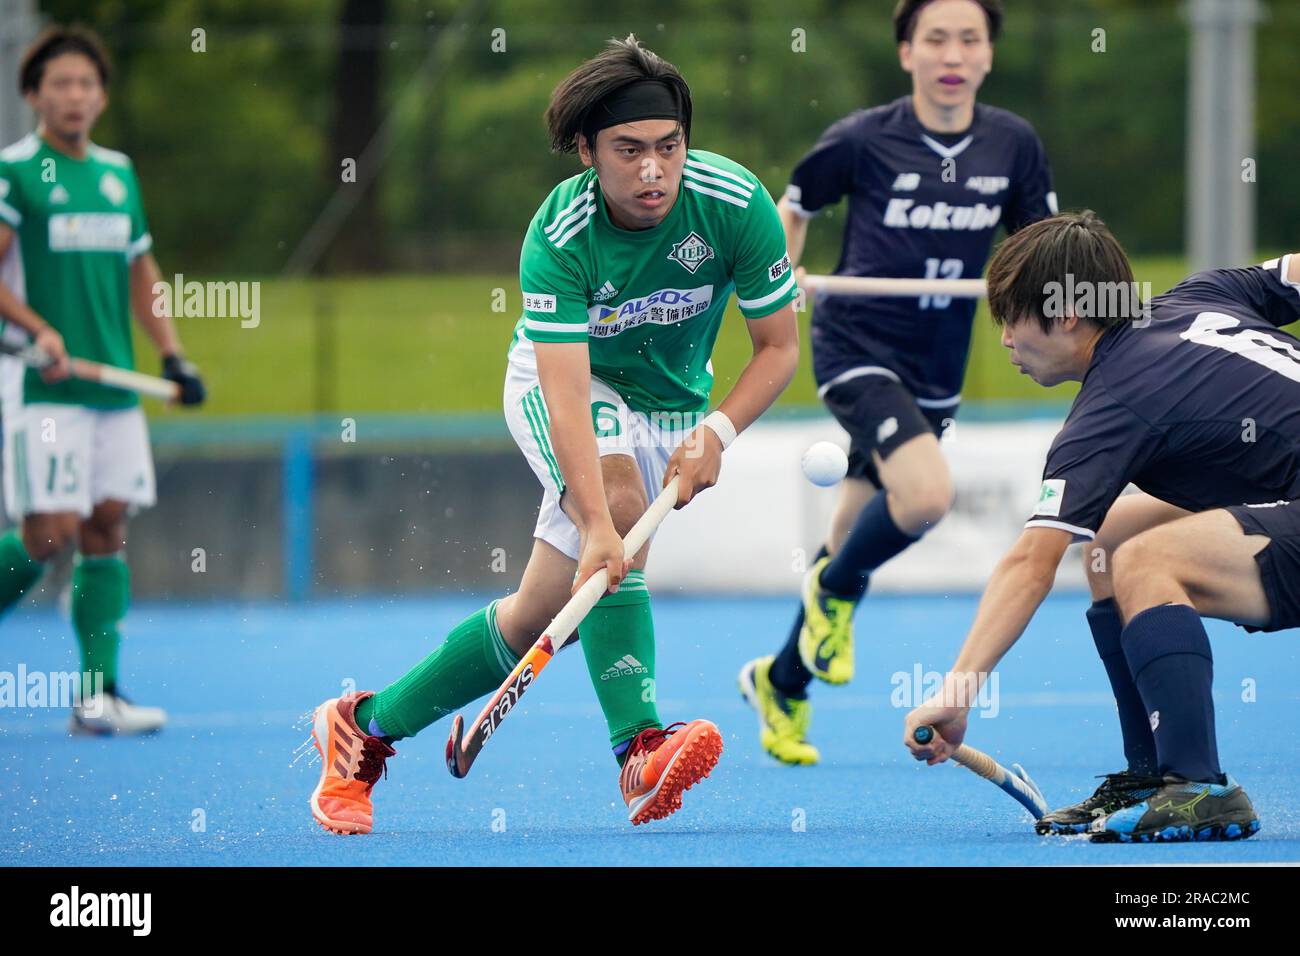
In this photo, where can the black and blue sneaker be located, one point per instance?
(1117, 791)
(1181, 811)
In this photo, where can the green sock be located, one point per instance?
(18, 572)
(472, 661)
(101, 591)
(618, 640)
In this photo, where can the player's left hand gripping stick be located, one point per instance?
(461, 752)
(1016, 781)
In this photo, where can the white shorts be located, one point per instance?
(62, 458)
(619, 431)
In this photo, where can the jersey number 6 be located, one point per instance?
(1251, 344)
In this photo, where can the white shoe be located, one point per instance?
(104, 714)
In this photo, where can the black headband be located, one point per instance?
(638, 100)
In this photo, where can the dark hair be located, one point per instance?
(907, 12)
(620, 63)
(1027, 275)
(55, 41)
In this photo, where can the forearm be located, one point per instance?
(576, 453)
(148, 306)
(1018, 586)
(761, 382)
(13, 309)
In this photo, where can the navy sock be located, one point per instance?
(1139, 743)
(873, 541)
(788, 675)
(1169, 656)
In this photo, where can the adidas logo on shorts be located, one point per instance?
(627, 666)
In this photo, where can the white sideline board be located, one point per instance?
(757, 530)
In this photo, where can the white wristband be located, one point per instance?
(721, 426)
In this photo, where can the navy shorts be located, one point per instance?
(880, 414)
(1279, 563)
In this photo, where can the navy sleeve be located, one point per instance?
(1263, 289)
(826, 174)
(1092, 460)
(1033, 198)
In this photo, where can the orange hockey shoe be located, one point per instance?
(662, 764)
(351, 763)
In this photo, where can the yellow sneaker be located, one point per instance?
(826, 639)
(782, 721)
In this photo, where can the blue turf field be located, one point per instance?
(236, 678)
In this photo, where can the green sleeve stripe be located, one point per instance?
(769, 298)
(10, 215)
(535, 412)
